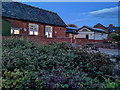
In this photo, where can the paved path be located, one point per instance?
(110, 51)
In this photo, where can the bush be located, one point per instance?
(112, 85)
(18, 79)
(54, 65)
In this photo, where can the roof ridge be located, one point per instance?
(35, 7)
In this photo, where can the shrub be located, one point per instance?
(18, 79)
(112, 85)
(59, 66)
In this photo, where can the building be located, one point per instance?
(100, 26)
(71, 32)
(92, 33)
(28, 20)
(110, 29)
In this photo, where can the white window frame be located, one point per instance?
(49, 32)
(13, 30)
(32, 31)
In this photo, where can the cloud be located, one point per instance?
(107, 12)
(81, 20)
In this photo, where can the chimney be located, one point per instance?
(111, 25)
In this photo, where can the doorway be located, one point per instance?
(87, 36)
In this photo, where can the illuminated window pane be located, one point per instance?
(48, 31)
(16, 31)
(36, 33)
(50, 34)
(33, 29)
(31, 32)
(46, 34)
(11, 31)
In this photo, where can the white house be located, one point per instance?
(92, 33)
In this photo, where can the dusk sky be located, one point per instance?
(83, 13)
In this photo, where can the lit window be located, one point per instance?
(15, 31)
(48, 31)
(31, 32)
(11, 31)
(33, 29)
(35, 33)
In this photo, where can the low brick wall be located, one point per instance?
(83, 41)
(41, 39)
(44, 40)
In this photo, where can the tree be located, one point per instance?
(72, 25)
(116, 36)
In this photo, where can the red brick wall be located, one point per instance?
(83, 41)
(67, 34)
(23, 24)
(44, 40)
(61, 31)
(41, 39)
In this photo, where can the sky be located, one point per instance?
(83, 13)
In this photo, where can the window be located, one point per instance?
(33, 29)
(15, 31)
(48, 31)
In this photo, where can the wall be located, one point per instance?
(92, 35)
(40, 39)
(83, 41)
(100, 36)
(61, 31)
(83, 35)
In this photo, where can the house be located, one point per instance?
(71, 32)
(100, 26)
(112, 28)
(28, 20)
(109, 29)
(92, 33)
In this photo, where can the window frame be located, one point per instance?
(49, 31)
(32, 30)
(13, 30)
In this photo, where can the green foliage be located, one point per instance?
(112, 85)
(18, 79)
(116, 36)
(52, 66)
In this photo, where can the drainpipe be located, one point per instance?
(71, 40)
(94, 37)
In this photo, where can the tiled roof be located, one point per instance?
(21, 11)
(71, 30)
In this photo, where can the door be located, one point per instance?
(87, 36)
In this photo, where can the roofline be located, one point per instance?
(34, 7)
(33, 21)
(100, 24)
(61, 19)
(91, 29)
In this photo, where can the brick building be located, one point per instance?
(29, 20)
